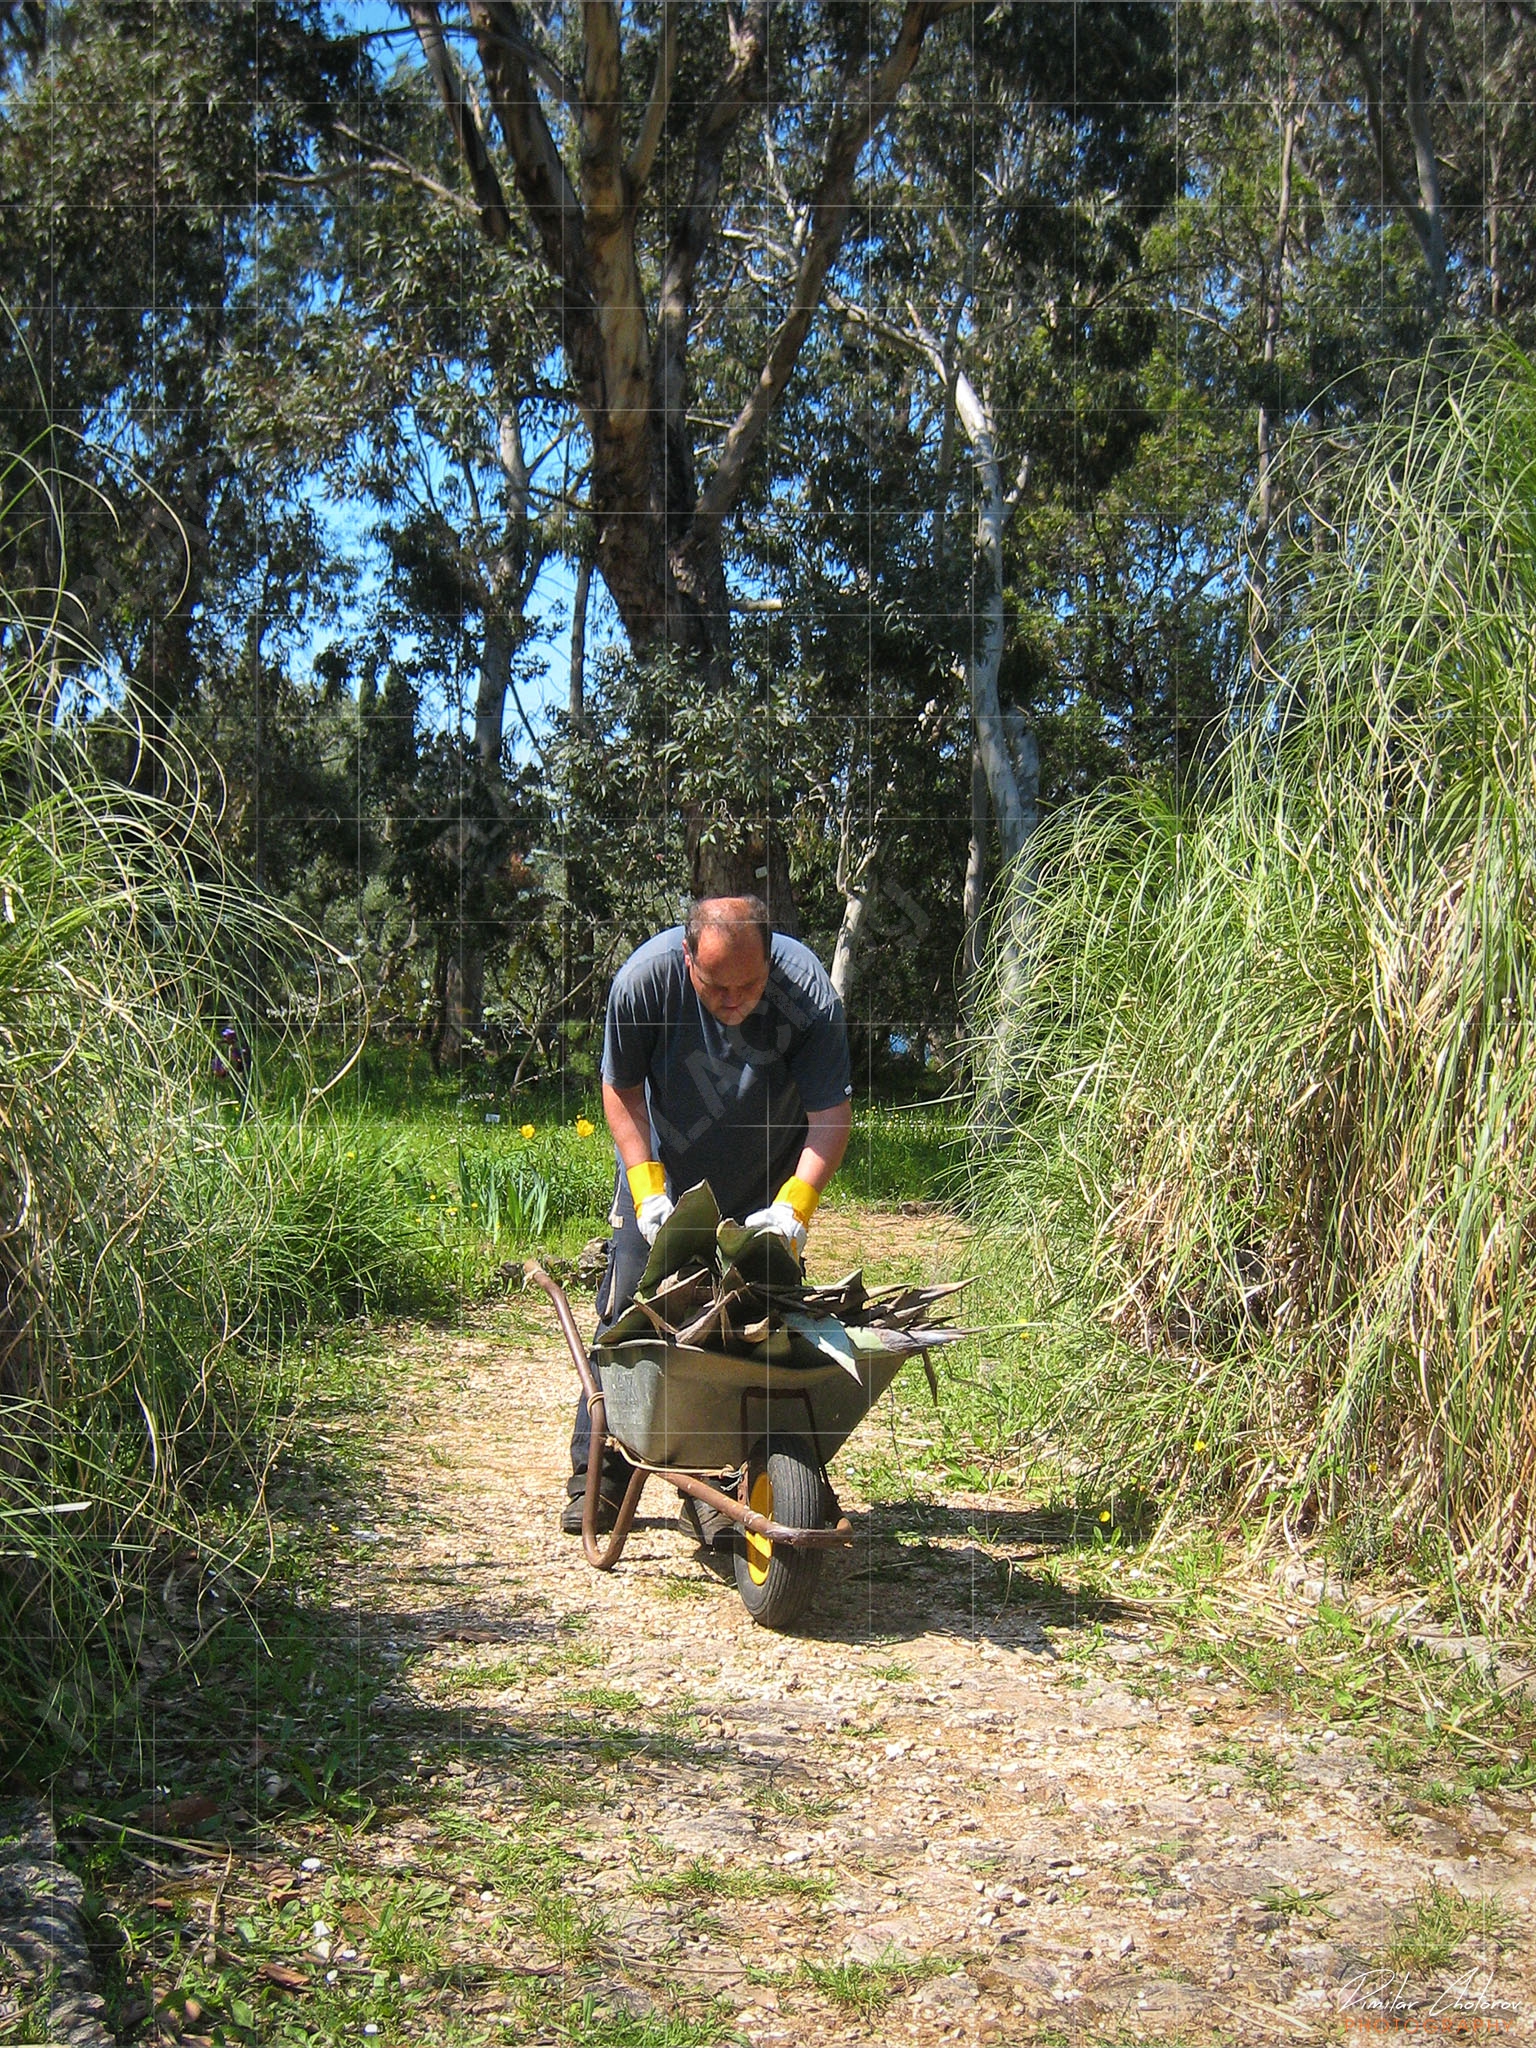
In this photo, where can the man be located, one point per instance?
(725, 1058)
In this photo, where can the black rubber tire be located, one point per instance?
(776, 1590)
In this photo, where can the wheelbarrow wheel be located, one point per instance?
(777, 1580)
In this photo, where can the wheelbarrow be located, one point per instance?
(773, 1410)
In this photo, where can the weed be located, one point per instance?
(402, 1938)
(702, 1880)
(1292, 1901)
(867, 1988)
(603, 1699)
(790, 1803)
(684, 1586)
(1439, 1923)
(595, 2023)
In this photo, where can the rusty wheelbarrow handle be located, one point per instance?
(686, 1482)
(601, 1557)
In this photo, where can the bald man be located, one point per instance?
(725, 1058)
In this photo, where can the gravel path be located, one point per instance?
(957, 1805)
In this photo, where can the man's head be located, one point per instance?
(725, 943)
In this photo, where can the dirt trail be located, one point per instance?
(953, 1807)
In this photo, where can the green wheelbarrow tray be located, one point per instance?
(703, 1411)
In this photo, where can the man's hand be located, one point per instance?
(648, 1187)
(782, 1220)
(651, 1215)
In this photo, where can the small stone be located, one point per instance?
(311, 1863)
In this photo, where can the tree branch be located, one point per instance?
(864, 108)
(1355, 48)
(602, 110)
(644, 155)
(544, 69)
(541, 175)
(486, 185)
(740, 87)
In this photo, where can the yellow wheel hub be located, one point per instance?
(760, 1548)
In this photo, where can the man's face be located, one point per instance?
(729, 971)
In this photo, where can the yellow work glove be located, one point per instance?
(653, 1205)
(790, 1212)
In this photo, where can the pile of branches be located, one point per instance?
(748, 1297)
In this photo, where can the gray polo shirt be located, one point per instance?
(727, 1101)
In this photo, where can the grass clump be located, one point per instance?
(868, 1988)
(1268, 1051)
(1439, 1924)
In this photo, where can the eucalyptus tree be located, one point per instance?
(126, 238)
(394, 354)
(1435, 98)
(630, 150)
(636, 139)
(1003, 267)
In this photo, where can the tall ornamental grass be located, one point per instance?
(157, 1232)
(1268, 1190)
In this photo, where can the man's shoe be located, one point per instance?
(608, 1505)
(707, 1525)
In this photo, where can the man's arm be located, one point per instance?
(791, 1210)
(826, 1140)
(630, 1123)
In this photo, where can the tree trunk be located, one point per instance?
(850, 937)
(461, 1008)
(752, 861)
(1429, 219)
(975, 895)
(577, 692)
(1024, 757)
(989, 625)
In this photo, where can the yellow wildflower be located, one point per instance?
(1103, 1514)
(585, 1127)
(528, 1130)
(1201, 1444)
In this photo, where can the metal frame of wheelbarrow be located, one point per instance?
(689, 1483)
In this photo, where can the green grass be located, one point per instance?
(703, 1881)
(475, 1195)
(1439, 1924)
(868, 1988)
(1258, 1069)
(903, 1155)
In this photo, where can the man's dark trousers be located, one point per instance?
(627, 1256)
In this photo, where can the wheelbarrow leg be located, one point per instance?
(600, 1558)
